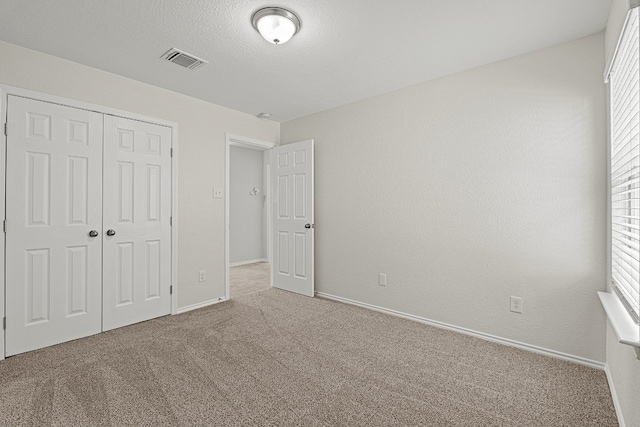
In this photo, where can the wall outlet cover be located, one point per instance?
(516, 304)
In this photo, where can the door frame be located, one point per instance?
(5, 91)
(253, 144)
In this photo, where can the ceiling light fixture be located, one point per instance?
(275, 24)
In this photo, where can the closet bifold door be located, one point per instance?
(54, 224)
(136, 221)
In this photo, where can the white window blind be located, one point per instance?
(625, 167)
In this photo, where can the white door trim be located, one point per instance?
(3, 165)
(254, 144)
(5, 91)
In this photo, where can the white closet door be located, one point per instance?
(137, 208)
(54, 201)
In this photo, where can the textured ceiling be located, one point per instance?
(347, 50)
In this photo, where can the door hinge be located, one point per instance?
(171, 221)
(5, 129)
(4, 323)
(171, 290)
(4, 226)
(171, 151)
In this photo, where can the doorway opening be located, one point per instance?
(247, 217)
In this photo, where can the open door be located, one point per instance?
(293, 228)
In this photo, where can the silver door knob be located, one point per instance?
(111, 232)
(93, 233)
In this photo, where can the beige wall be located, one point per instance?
(202, 128)
(623, 367)
(471, 188)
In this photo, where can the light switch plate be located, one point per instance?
(382, 279)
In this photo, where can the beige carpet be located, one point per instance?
(249, 278)
(277, 359)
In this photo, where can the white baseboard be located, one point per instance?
(200, 305)
(614, 396)
(481, 335)
(251, 261)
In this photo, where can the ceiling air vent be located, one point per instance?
(183, 59)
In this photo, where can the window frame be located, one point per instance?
(624, 91)
(622, 318)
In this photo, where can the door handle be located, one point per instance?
(309, 226)
(93, 233)
(111, 232)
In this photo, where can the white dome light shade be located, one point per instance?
(276, 29)
(275, 24)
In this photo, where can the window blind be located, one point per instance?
(625, 167)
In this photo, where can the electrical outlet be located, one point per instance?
(217, 193)
(201, 276)
(516, 304)
(382, 279)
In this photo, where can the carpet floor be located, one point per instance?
(274, 358)
(249, 278)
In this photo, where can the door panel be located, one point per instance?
(293, 242)
(37, 286)
(137, 206)
(54, 198)
(125, 277)
(77, 284)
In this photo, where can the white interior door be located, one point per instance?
(54, 200)
(137, 229)
(293, 227)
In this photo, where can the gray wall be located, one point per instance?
(471, 188)
(246, 235)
